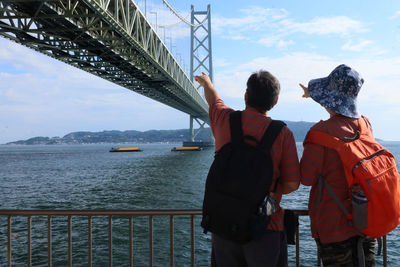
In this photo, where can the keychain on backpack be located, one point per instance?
(268, 206)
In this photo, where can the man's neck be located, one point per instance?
(265, 113)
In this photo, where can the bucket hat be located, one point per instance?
(338, 92)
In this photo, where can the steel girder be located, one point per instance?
(108, 38)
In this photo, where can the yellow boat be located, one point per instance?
(187, 148)
(125, 149)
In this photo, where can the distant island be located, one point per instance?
(299, 130)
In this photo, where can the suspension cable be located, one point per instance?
(174, 24)
(182, 18)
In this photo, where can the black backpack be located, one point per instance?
(237, 183)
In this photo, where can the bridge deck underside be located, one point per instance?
(107, 39)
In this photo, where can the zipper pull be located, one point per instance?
(364, 167)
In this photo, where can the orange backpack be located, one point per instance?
(372, 168)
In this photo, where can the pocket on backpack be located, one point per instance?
(228, 217)
(384, 206)
(360, 213)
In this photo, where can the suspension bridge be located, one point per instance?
(114, 40)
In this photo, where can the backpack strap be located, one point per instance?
(322, 180)
(329, 141)
(271, 134)
(362, 125)
(323, 139)
(235, 120)
(269, 138)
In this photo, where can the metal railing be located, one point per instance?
(113, 213)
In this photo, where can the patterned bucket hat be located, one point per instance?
(338, 92)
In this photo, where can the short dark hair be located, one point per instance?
(262, 90)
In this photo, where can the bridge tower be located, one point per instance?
(200, 55)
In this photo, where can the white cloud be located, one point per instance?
(260, 12)
(259, 22)
(231, 84)
(221, 62)
(253, 19)
(269, 41)
(283, 43)
(322, 26)
(356, 46)
(290, 70)
(278, 20)
(10, 52)
(238, 37)
(275, 41)
(396, 15)
(381, 75)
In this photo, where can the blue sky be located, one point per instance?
(295, 40)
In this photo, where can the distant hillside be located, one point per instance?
(153, 136)
(299, 129)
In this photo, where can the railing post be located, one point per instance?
(151, 239)
(89, 241)
(297, 243)
(49, 242)
(384, 251)
(9, 241)
(319, 256)
(110, 241)
(130, 242)
(171, 240)
(69, 241)
(192, 239)
(29, 222)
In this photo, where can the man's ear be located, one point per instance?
(245, 97)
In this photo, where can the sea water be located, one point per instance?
(89, 177)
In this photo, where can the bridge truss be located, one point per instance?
(109, 38)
